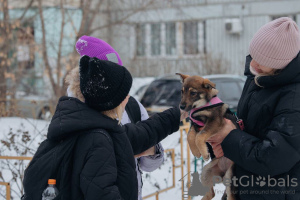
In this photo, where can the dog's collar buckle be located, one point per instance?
(241, 124)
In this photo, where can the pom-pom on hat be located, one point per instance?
(276, 43)
(95, 47)
(103, 84)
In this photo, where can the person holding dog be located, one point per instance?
(148, 160)
(267, 152)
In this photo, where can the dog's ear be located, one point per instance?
(182, 76)
(208, 84)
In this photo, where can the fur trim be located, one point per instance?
(73, 80)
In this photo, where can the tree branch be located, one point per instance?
(72, 24)
(26, 9)
(58, 64)
(122, 19)
(44, 47)
(95, 11)
(84, 19)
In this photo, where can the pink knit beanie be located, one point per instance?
(276, 44)
(94, 47)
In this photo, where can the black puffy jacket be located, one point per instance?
(267, 152)
(104, 166)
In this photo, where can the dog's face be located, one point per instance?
(196, 92)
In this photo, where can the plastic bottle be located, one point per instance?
(51, 191)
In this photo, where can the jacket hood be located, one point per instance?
(290, 74)
(73, 116)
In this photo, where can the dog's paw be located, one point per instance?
(206, 157)
(196, 152)
(197, 155)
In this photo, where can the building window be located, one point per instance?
(190, 38)
(155, 39)
(159, 39)
(171, 39)
(294, 17)
(141, 40)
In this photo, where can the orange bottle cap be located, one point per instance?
(51, 181)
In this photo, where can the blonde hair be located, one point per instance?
(271, 73)
(73, 82)
(115, 113)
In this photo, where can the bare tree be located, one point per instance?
(6, 36)
(90, 10)
(7, 27)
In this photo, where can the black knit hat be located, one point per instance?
(103, 84)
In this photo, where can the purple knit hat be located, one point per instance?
(276, 44)
(94, 47)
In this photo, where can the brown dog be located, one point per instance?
(196, 93)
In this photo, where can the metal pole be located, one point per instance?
(173, 165)
(188, 166)
(7, 185)
(15, 158)
(156, 196)
(8, 191)
(182, 170)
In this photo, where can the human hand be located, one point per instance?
(216, 140)
(148, 152)
(183, 115)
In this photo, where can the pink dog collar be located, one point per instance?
(215, 101)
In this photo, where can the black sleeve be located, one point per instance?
(99, 174)
(148, 133)
(279, 150)
(277, 153)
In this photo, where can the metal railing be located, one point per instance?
(185, 128)
(8, 189)
(173, 174)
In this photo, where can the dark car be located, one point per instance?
(165, 92)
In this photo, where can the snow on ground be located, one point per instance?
(14, 135)
(36, 128)
(154, 181)
(162, 177)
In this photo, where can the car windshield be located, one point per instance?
(162, 92)
(229, 90)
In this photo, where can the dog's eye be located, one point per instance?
(193, 93)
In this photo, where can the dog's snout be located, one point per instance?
(182, 106)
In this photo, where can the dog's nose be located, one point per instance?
(182, 107)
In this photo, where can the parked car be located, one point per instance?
(165, 92)
(140, 92)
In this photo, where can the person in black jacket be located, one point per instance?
(267, 152)
(104, 165)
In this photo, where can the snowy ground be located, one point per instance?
(154, 181)
(19, 137)
(162, 177)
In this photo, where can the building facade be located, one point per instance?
(195, 36)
